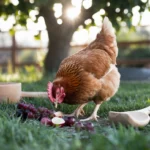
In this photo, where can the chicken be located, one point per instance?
(89, 75)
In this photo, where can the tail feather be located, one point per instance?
(107, 35)
(107, 28)
(106, 40)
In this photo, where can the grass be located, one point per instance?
(28, 135)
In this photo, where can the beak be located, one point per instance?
(56, 103)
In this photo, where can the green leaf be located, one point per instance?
(37, 37)
(12, 31)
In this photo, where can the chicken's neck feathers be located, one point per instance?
(70, 82)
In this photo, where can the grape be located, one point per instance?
(69, 121)
(22, 106)
(89, 126)
(31, 115)
(46, 121)
(32, 109)
(79, 126)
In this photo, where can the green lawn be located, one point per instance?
(29, 135)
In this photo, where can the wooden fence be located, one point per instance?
(133, 62)
(14, 48)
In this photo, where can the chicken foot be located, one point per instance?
(94, 115)
(78, 112)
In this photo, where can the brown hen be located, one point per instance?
(89, 75)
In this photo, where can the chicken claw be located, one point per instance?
(82, 112)
(94, 115)
(78, 112)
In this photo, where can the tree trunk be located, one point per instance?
(59, 35)
(58, 50)
(59, 39)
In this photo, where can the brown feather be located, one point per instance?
(86, 75)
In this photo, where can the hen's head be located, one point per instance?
(56, 94)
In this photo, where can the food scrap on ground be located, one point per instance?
(50, 117)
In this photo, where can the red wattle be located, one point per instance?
(49, 92)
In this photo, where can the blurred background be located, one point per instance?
(37, 35)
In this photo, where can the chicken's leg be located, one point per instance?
(79, 111)
(94, 115)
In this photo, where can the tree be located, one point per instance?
(60, 34)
